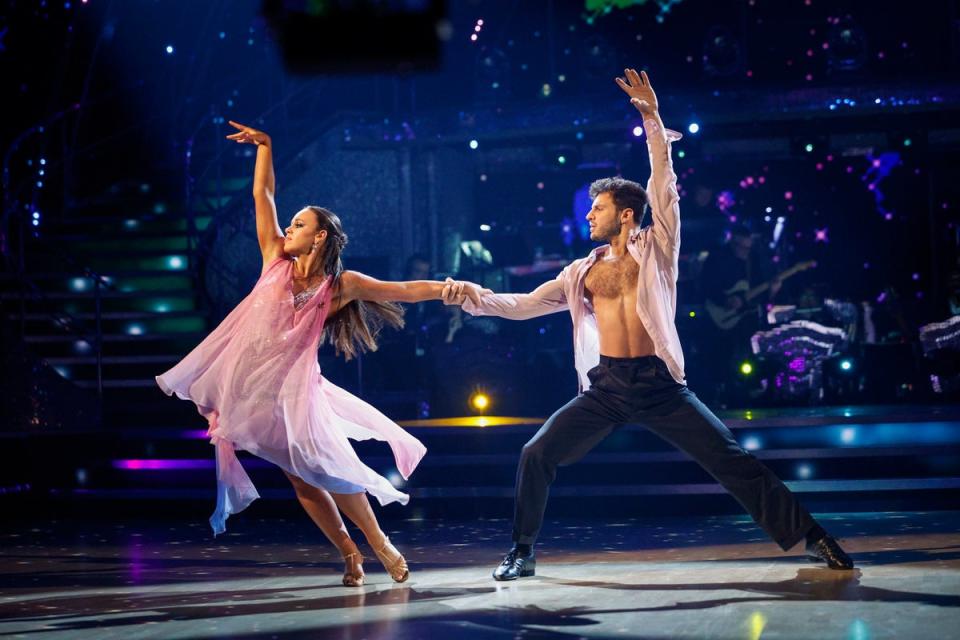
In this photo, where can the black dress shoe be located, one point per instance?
(826, 549)
(515, 566)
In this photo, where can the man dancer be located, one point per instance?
(622, 299)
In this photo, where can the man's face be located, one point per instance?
(604, 218)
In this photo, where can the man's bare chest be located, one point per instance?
(612, 278)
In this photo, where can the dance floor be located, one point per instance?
(715, 577)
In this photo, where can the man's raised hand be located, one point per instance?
(637, 86)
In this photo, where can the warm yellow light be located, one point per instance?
(479, 401)
(757, 622)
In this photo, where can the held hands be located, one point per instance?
(457, 292)
(637, 86)
(248, 135)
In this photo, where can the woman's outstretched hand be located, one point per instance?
(456, 292)
(247, 135)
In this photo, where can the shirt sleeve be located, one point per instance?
(662, 191)
(547, 298)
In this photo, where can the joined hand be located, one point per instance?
(458, 291)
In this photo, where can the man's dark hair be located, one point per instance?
(626, 194)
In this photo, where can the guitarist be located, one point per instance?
(735, 262)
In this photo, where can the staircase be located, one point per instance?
(150, 310)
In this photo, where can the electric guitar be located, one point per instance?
(727, 319)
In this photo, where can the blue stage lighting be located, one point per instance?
(693, 128)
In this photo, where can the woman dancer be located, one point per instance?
(257, 381)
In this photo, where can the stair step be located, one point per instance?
(110, 315)
(126, 235)
(171, 243)
(88, 252)
(118, 384)
(123, 337)
(104, 293)
(109, 224)
(139, 359)
(111, 275)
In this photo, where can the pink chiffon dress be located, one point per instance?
(257, 381)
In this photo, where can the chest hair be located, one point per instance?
(612, 278)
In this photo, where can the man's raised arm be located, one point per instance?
(662, 186)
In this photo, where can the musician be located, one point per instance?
(735, 265)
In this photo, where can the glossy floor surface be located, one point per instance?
(715, 577)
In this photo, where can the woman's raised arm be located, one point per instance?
(269, 234)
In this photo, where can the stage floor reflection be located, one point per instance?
(715, 577)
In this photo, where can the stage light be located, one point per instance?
(846, 364)
(562, 159)
(479, 401)
(804, 471)
(693, 314)
(693, 127)
(474, 144)
(907, 142)
(169, 49)
(484, 227)
(79, 284)
(395, 479)
(638, 131)
(746, 367)
(681, 153)
(758, 622)
(175, 262)
(808, 148)
(752, 443)
(135, 329)
(848, 435)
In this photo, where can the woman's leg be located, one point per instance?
(322, 509)
(357, 507)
